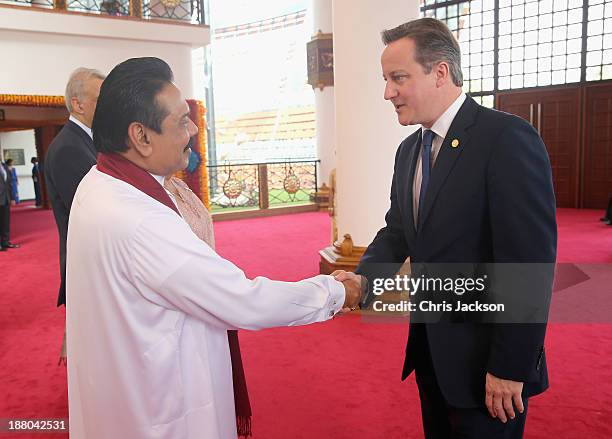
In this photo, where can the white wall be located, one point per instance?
(367, 131)
(43, 48)
(21, 140)
(41, 66)
(40, 48)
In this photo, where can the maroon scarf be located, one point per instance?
(121, 168)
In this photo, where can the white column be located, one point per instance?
(367, 131)
(321, 12)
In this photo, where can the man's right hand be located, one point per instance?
(353, 286)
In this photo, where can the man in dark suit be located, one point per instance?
(71, 155)
(35, 180)
(607, 218)
(5, 209)
(471, 189)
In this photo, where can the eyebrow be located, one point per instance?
(183, 116)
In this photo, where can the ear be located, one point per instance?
(138, 137)
(76, 105)
(442, 72)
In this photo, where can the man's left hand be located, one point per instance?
(500, 394)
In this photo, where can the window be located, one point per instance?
(539, 45)
(513, 44)
(599, 41)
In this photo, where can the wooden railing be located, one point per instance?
(184, 11)
(262, 186)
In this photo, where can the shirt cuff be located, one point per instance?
(335, 299)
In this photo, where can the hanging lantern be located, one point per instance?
(320, 60)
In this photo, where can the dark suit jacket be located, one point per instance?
(5, 186)
(70, 156)
(489, 200)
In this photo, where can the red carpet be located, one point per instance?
(334, 380)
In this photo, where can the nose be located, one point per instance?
(390, 91)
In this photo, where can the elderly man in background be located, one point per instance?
(72, 154)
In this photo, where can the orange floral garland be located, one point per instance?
(32, 100)
(198, 113)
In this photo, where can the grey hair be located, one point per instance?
(434, 43)
(76, 84)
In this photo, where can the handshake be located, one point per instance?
(354, 288)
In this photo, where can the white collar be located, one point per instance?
(82, 126)
(442, 125)
(159, 178)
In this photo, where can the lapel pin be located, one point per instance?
(455, 143)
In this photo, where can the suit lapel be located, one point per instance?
(448, 155)
(412, 160)
(83, 135)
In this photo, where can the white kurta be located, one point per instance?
(148, 306)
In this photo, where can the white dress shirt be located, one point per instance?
(440, 128)
(81, 125)
(147, 345)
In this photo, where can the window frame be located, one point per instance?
(438, 4)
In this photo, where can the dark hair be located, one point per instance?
(129, 94)
(434, 43)
(33, 160)
(9, 162)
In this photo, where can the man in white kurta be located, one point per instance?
(148, 309)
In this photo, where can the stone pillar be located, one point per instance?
(367, 131)
(321, 13)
